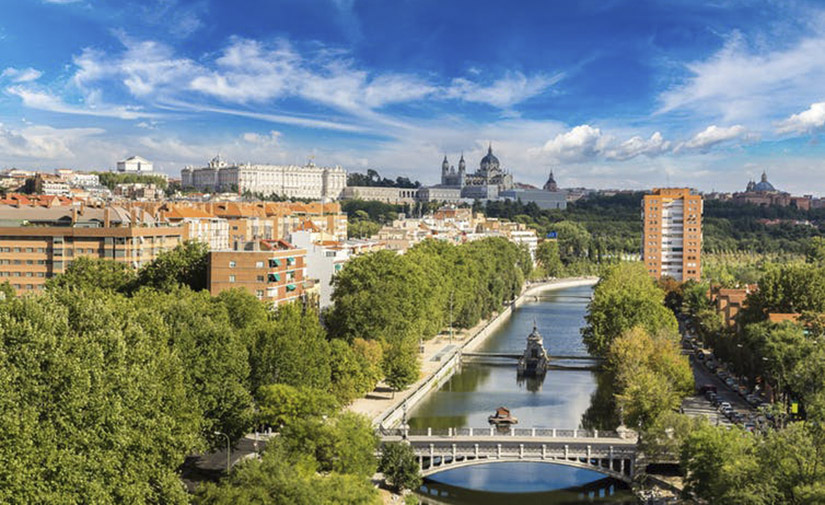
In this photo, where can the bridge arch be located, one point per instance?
(447, 462)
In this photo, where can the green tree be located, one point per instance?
(215, 358)
(722, 467)
(94, 406)
(401, 367)
(290, 349)
(573, 239)
(284, 477)
(548, 258)
(186, 264)
(815, 253)
(400, 466)
(85, 273)
(624, 298)
(282, 405)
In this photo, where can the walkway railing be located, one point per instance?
(499, 432)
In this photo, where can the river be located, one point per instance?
(564, 399)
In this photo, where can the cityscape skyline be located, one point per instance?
(694, 94)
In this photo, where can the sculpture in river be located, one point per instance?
(533, 363)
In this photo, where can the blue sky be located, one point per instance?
(607, 93)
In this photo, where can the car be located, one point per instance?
(730, 382)
(742, 390)
(710, 395)
(717, 401)
(699, 355)
(723, 405)
(727, 411)
(708, 388)
(750, 427)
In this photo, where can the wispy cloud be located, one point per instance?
(20, 75)
(45, 101)
(512, 89)
(42, 142)
(742, 83)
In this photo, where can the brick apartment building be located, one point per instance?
(37, 243)
(672, 233)
(272, 270)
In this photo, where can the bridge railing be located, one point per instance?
(500, 432)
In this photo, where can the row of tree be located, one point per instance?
(399, 300)
(630, 326)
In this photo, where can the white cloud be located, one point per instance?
(20, 75)
(738, 83)
(713, 135)
(579, 144)
(41, 142)
(637, 146)
(513, 88)
(804, 121)
(272, 139)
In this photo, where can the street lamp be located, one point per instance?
(228, 461)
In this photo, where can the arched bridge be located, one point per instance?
(606, 452)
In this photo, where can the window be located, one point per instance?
(259, 293)
(259, 264)
(232, 265)
(260, 278)
(231, 278)
(274, 262)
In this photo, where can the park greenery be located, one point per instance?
(372, 178)
(155, 367)
(629, 325)
(112, 179)
(112, 377)
(399, 300)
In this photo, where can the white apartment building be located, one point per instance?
(291, 181)
(322, 261)
(214, 231)
(525, 237)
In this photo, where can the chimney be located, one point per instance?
(106, 217)
(132, 217)
(82, 207)
(74, 215)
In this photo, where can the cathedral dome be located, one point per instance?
(489, 162)
(763, 184)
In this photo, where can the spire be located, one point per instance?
(490, 148)
(764, 176)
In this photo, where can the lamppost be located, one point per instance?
(228, 460)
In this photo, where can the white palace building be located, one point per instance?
(290, 181)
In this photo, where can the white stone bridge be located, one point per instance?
(610, 453)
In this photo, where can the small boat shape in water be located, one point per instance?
(502, 417)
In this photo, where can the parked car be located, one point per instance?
(730, 382)
(723, 405)
(708, 387)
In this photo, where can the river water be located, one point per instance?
(564, 399)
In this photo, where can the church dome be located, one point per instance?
(489, 161)
(763, 184)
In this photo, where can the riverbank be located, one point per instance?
(441, 356)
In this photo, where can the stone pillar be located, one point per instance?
(595, 433)
(589, 452)
(471, 432)
(575, 433)
(533, 433)
(475, 447)
(429, 432)
(454, 451)
(421, 462)
(543, 451)
(492, 431)
(521, 451)
(498, 451)
(621, 466)
(432, 455)
(554, 433)
(449, 432)
(566, 451)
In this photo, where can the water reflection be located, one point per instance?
(533, 483)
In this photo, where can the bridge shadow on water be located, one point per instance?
(525, 484)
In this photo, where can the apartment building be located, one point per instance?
(272, 270)
(201, 226)
(37, 243)
(672, 233)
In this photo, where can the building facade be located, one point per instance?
(672, 233)
(483, 184)
(763, 193)
(136, 165)
(37, 243)
(273, 271)
(290, 181)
